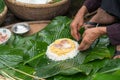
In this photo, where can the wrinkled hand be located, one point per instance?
(90, 35)
(75, 27)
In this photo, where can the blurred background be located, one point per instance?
(74, 7)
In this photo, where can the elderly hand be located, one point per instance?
(75, 27)
(78, 22)
(90, 35)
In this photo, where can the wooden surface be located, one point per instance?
(35, 26)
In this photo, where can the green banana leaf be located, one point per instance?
(100, 51)
(111, 66)
(9, 56)
(72, 77)
(56, 0)
(2, 5)
(30, 51)
(53, 68)
(55, 30)
(26, 69)
(16, 75)
(106, 77)
(61, 30)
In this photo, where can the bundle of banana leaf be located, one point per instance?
(24, 58)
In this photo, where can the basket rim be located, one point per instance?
(4, 11)
(14, 2)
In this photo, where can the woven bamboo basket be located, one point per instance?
(3, 15)
(38, 11)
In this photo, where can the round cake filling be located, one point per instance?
(62, 49)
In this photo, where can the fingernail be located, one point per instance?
(80, 48)
(78, 39)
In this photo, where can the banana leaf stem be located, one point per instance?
(39, 55)
(112, 70)
(17, 70)
(7, 75)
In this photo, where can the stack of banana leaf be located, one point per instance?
(24, 58)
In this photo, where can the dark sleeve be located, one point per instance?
(113, 32)
(112, 7)
(92, 5)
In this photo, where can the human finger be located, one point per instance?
(85, 44)
(118, 56)
(74, 31)
(87, 41)
(80, 24)
(75, 35)
(84, 48)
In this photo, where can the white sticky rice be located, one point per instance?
(35, 1)
(73, 52)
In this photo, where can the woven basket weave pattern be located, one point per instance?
(38, 11)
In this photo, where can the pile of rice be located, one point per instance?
(62, 49)
(35, 1)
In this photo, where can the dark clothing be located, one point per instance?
(112, 7)
(92, 5)
(114, 33)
